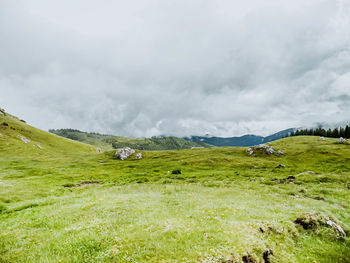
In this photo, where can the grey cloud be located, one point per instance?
(145, 68)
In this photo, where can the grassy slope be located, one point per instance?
(108, 142)
(12, 145)
(141, 212)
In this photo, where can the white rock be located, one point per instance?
(280, 152)
(250, 151)
(336, 227)
(39, 147)
(341, 231)
(24, 139)
(124, 153)
(139, 156)
(341, 140)
(321, 138)
(267, 148)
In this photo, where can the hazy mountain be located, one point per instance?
(245, 140)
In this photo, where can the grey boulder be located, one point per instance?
(124, 153)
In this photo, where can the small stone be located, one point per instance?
(280, 152)
(139, 156)
(281, 166)
(24, 139)
(321, 138)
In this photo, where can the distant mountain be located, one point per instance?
(109, 142)
(245, 140)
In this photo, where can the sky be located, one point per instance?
(176, 67)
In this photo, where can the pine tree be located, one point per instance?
(335, 133)
(342, 132)
(347, 132)
(329, 133)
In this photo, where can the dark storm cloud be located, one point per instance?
(154, 67)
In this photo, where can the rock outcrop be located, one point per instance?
(124, 153)
(263, 148)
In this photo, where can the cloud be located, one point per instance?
(145, 68)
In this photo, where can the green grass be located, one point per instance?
(140, 211)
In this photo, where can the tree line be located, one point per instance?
(333, 133)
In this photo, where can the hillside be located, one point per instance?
(109, 142)
(67, 203)
(245, 140)
(20, 139)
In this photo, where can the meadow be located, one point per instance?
(65, 202)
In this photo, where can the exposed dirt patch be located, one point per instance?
(81, 184)
(289, 179)
(178, 171)
(319, 198)
(316, 220)
(266, 255)
(89, 183)
(248, 258)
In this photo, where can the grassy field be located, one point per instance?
(68, 203)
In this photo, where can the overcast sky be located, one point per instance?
(175, 67)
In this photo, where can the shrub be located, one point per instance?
(177, 171)
(3, 208)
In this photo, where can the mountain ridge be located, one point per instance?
(240, 141)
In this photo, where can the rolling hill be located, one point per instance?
(109, 142)
(64, 202)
